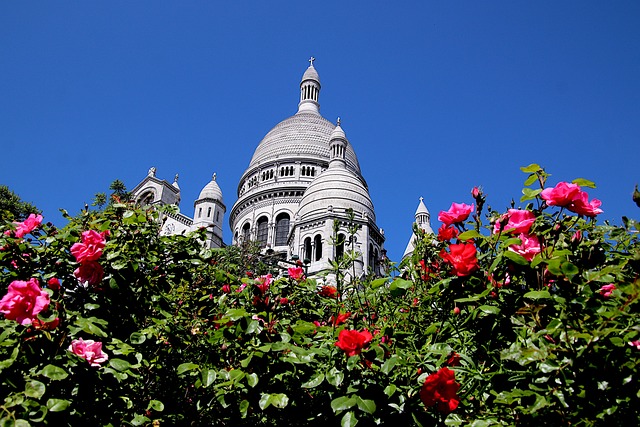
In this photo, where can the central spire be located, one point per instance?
(309, 90)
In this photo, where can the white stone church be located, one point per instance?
(303, 177)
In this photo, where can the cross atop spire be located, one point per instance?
(421, 199)
(338, 121)
(311, 61)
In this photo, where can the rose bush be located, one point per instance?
(527, 316)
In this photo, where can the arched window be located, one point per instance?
(340, 246)
(263, 230)
(282, 229)
(317, 242)
(307, 248)
(209, 212)
(199, 212)
(375, 262)
(246, 232)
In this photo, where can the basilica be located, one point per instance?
(302, 195)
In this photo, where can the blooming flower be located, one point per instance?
(440, 389)
(328, 291)
(458, 212)
(27, 226)
(340, 319)
(635, 344)
(90, 248)
(462, 257)
(573, 198)
(89, 350)
(446, 233)
(296, 273)
(89, 272)
(23, 301)
(517, 221)
(352, 342)
(53, 283)
(563, 194)
(529, 247)
(607, 290)
(454, 359)
(263, 283)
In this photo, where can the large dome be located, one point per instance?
(305, 136)
(336, 188)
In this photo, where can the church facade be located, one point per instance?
(302, 196)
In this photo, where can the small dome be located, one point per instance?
(340, 188)
(211, 190)
(338, 133)
(310, 74)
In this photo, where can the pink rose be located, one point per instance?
(529, 247)
(90, 249)
(563, 194)
(89, 350)
(582, 206)
(518, 221)
(23, 301)
(607, 290)
(263, 283)
(635, 344)
(27, 226)
(573, 198)
(89, 272)
(296, 273)
(458, 212)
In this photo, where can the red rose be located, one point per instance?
(342, 317)
(462, 257)
(458, 212)
(53, 283)
(440, 389)
(328, 291)
(352, 342)
(89, 272)
(446, 233)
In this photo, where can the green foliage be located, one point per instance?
(12, 208)
(193, 340)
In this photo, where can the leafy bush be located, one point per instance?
(518, 318)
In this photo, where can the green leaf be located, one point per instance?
(529, 194)
(139, 420)
(379, 282)
(469, 234)
(537, 295)
(584, 183)
(349, 420)
(343, 403)
(156, 405)
(335, 377)
(279, 400)
(244, 408)
(184, 367)
(119, 364)
(34, 389)
(252, 379)
(208, 377)
(137, 338)
(532, 168)
(531, 179)
(390, 390)
(517, 258)
(388, 365)
(57, 405)
(489, 309)
(315, 381)
(366, 405)
(54, 373)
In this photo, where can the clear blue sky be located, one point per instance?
(435, 97)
